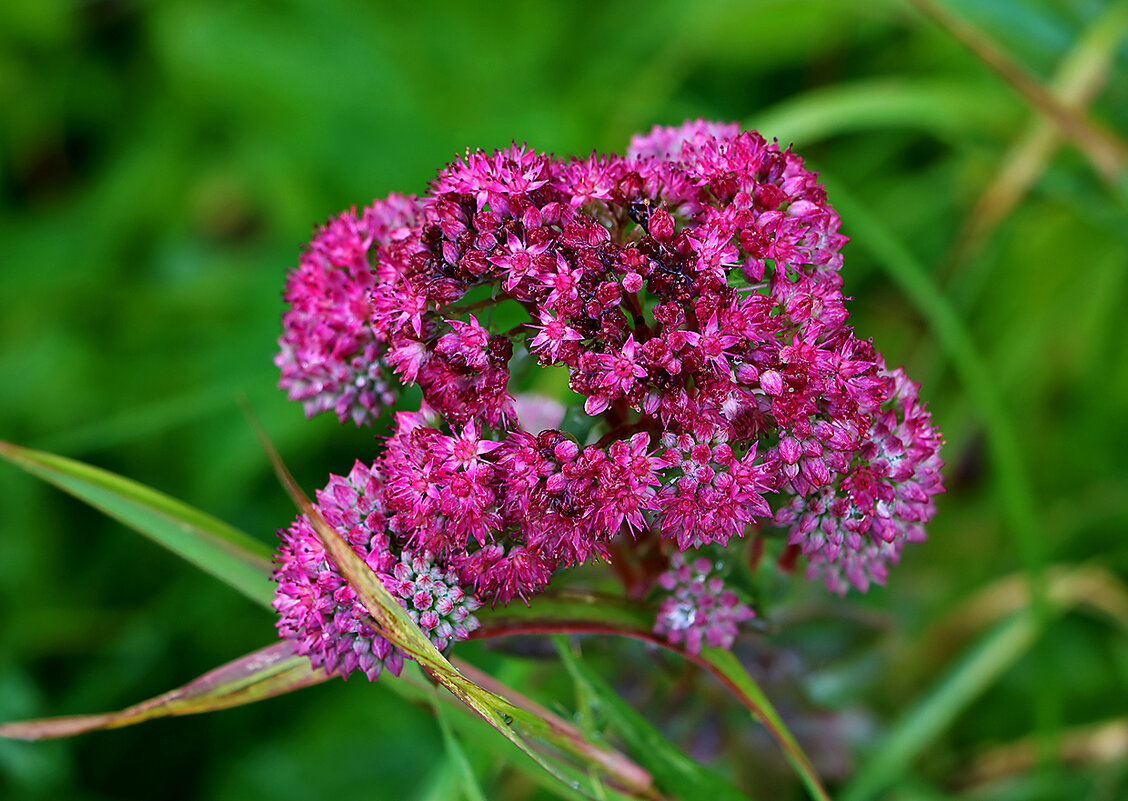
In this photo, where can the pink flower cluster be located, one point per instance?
(505, 514)
(320, 611)
(697, 609)
(330, 354)
(691, 291)
(853, 528)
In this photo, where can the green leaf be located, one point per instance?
(244, 564)
(413, 684)
(571, 609)
(215, 547)
(268, 672)
(673, 770)
(457, 756)
(444, 783)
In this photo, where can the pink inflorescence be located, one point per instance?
(320, 611)
(330, 355)
(691, 291)
(697, 609)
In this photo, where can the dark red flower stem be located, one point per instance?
(756, 553)
(647, 423)
(622, 566)
(642, 330)
(788, 558)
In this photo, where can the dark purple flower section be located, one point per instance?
(853, 528)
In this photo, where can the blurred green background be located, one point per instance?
(161, 165)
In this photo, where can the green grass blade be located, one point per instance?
(1013, 485)
(138, 422)
(457, 756)
(414, 685)
(212, 545)
(265, 673)
(965, 682)
(579, 613)
(673, 770)
(728, 668)
(443, 785)
(949, 108)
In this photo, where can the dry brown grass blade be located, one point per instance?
(1083, 746)
(265, 673)
(1082, 74)
(1107, 152)
(1086, 586)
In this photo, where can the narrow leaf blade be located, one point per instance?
(228, 554)
(942, 108)
(579, 613)
(728, 669)
(268, 672)
(457, 756)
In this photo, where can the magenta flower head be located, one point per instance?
(691, 291)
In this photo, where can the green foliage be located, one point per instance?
(160, 166)
(671, 767)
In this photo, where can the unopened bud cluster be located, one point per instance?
(698, 609)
